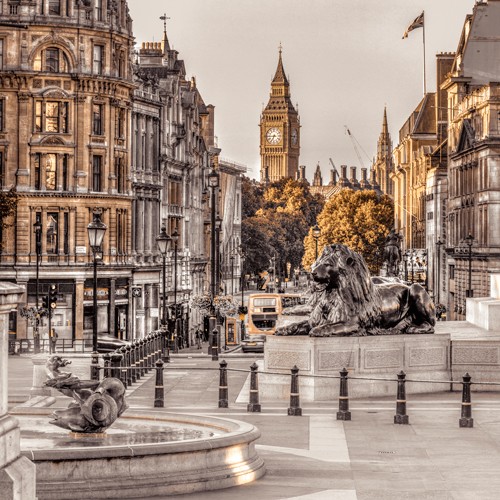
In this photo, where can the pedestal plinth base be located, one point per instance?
(421, 357)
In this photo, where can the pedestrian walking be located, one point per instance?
(198, 335)
(53, 340)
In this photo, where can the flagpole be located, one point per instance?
(423, 39)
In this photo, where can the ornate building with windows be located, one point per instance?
(474, 159)
(66, 87)
(279, 131)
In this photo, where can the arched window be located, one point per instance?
(51, 60)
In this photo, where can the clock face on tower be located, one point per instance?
(273, 135)
(294, 136)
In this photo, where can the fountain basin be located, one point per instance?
(145, 454)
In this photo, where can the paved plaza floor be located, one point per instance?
(315, 457)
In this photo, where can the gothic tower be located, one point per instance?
(383, 166)
(279, 131)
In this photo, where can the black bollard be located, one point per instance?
(116, 359)
(130, 370)
(107, 365)
(159, 389)
(401, 417)
(133, 363)
(215, 347)
(223, 392)
(253, 405)
(94, 366)
(343, 413)
(142, 358)
(123, 365)
(295, 409)
(466, 420)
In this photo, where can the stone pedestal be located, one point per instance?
(17, 473)
(485, 311)
(424, 357)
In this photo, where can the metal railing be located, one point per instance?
(26, 346)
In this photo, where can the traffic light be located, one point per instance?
(45, 302)
(53, 296)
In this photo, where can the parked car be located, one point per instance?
(253, 343)
(107, 343)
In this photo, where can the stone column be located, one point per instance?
(17, 473)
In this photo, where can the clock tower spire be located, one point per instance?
(279, 130)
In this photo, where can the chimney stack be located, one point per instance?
(363, 183)
(333, 177)
(353, 179)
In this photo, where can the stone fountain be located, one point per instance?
(113, 453)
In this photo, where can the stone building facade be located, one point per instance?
(66, 87)
(474, 159)
(99, 126)
(447, 185)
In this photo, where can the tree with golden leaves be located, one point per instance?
(359, 219)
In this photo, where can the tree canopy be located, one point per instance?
(276, 219)
(359, 219)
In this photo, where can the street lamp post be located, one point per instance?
(37, 226)
(218, 228)
(438, 268)
(469, 240)
(232, 274)
(213, 182)
(316, 232)
(96, 230)
(163, 241)
(412, 262)
(175, 239)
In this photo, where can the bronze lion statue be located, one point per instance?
(346, 301)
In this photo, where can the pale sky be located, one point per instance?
(345, 60)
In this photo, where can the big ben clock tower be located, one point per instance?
(279, 131)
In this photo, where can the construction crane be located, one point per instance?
(355, 145)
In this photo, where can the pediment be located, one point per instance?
(466, 138)
(52, 141)
(55, 94)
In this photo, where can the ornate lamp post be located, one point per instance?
(242, 278)
(218, 228)
(96, 230)
(438, 268)
(316, 232)
(175, 239)
(163, 240)
(412, 255)
(469, 240)
(232, 274)
(213, 182)
(37, 227)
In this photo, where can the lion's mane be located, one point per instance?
(354, 296)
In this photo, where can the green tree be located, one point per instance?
(252, 195)
(359, 219)
(276, 219)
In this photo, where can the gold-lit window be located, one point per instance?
(51, 116)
